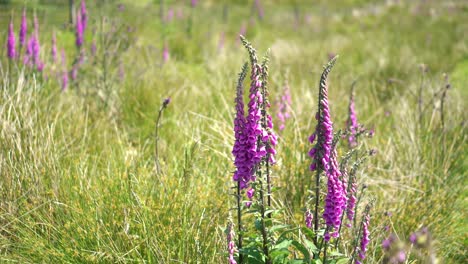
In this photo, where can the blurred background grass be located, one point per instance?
(77, 178)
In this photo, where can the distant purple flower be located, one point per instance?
(165, 54)
(259, 7)
(242, 31)
(64, 80)
(54, 48)
(194, 3)
(308, 218)
(166, 101)
(170, 15)
(36, 48)
(121, 7)
(352, 124)
(23, 29)
(11, 44)
(40, 66)
(283, 107)
(180, 13)
(79, 30)
(74, 72)
(351, 201)
(230, 242)
(365, 237)
(84, 15)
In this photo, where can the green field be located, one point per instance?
(78, 182)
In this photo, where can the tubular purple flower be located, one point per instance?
(64, 71)
(335, 200)
(36, 49)
(240, 151)
(79, 30)
(11, 44)
(253, 129)
(352, 123)
(54, 48)
(308, 218)
(23, 29)
(259, 8)
(365, 237)
(84, 15)
(165, 54)
(74, 72)
(230, 242)
(324, 130)
(194, 3)
(64, 80)
(283, 107)
(351, 201)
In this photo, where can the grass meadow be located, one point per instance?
(78, 180)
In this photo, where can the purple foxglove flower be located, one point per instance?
(79, 30)
(335, 200)
(259, 8)
(240, 151)
(364, 238)
(283, 105)
(36, 49)
(352, 123)
(170, 15)
(74, 72)
(84, 15)
(54, 48)
(165, 54)
(64, 80)
(230, 242)
(11, 44)
(324, 129)
(351, 201)
(253, 129)
(180, 13)
(23, 29)
(308, 218)
(40, 66)
(194, 3)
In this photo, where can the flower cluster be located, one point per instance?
(283, 107)
(11, 44)
(320, 153)
(364, 238)
(351, 123)
(230, 242)
(335, 200)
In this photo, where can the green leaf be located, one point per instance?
(283, 244)
(343, 261)
(311, 246)
(302, 249)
